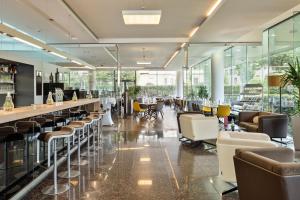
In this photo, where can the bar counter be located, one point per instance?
(30, 111)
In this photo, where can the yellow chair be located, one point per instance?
(223, 112)
(207, 110)
(137, 108)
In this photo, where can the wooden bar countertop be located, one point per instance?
(40, 109)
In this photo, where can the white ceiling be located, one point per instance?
(52, 22)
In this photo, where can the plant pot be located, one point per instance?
(296, 131)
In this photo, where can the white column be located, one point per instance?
(217, 75)
(179, 83)
(92, 80)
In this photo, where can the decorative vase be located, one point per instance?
(74, 98)
(8, 104)
(50, 99)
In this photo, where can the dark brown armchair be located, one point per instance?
(267, 173)
(275, 125)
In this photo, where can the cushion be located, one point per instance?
(251, 127)
(255, 119)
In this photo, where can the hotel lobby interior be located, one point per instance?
(150, 99)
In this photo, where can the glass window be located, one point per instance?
(105, 81)
(157, 83)
(79, 80)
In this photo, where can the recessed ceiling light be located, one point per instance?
(143, 62)
(141, 17)
(58, 55)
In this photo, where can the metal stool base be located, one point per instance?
(73, 174)
(61, 188)
(82, 162)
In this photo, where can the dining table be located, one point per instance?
(148, 107)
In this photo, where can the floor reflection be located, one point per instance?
(145, 160)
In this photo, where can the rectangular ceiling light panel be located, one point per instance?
(141, 17)
(143, 63)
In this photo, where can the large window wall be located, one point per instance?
(282, 48)
(243, 64)
(157, 83)
(201, 76)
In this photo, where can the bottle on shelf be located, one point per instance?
(56, 76)
(51, 78)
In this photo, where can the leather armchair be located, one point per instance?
(268, 173)
(275, 125)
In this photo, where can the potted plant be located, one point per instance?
(291, 76)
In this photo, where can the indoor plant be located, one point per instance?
(202, 92)
(291, 76)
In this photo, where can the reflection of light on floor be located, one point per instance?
(211, 181)
(173, 173)
(74, 183)
(144, 182)
(170, 133)
(146, 145)
(130, 148)
(145, 159)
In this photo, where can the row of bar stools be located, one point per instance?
(49, 137)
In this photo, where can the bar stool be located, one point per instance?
(49, 137)
(88, 124)
(97, 120)
(79, 127)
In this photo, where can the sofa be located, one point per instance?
(229, 141)
(197, 127)
(267, 173)
(273, 124)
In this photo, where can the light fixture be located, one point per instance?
(194, 31)
(183, 44)
(145, 159)
(58, 55)
(213, 8)
(173, 56)
(26, 42)
(144, 182)
(141, 17)
(143, 62)
(76, 62)
(89, 67)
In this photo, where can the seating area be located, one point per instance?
(128, 100)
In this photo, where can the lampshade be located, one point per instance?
(274, 80)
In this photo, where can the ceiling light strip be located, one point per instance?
(213, 8)
(58, 55)
(76, 62)
(28, 43)
(173, 56)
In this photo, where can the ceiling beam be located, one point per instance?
(141, 40)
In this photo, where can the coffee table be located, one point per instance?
(236, 128)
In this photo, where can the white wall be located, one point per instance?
(217, 70)
(39, 64)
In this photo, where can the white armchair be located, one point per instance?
(228, 142)
(197, 127)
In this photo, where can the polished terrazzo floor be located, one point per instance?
(143, 159)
